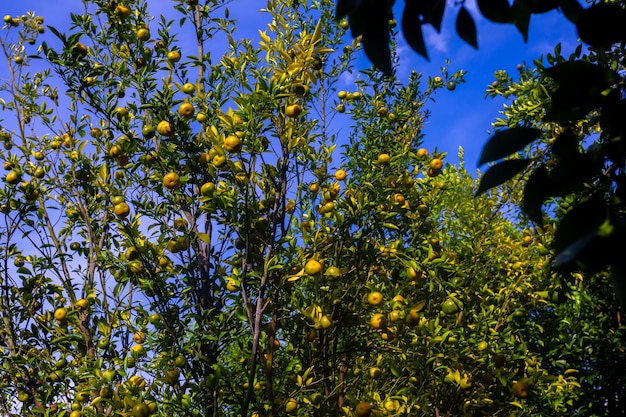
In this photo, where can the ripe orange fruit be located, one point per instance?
(122, 11)
(189, 88)
(186, 110)
(363, 409)
(384, 158)
(436, 164)
(340, 175)
(137, 350)
(432, 172)
(231, 285)
(378, 321)
(219, 161)
(232, 143)
(412, 318)
(327, 207)
(79, 50)
(171, 181)
(521, 390)
(173, 56)
(293, 110)
(121, 210)
(375, 298)
(375, 372)
(116, 151)
(139, 337)
(291, 406)
(202, 118)
(165, 128)
(325, 322)
(143, 34)
(398, 199)
(314, 187)
(13, 177)
(60, 314)
(313, 267)
(82, 304)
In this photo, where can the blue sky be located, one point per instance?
(459, 119)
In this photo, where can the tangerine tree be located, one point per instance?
(192, 235)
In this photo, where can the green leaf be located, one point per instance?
(538, 189)
(412, 30)
(498, 11)
(500, 173)
(466, 28)
(602, 25)
(506, 142)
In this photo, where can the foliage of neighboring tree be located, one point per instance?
(584, 89)
(185, 234)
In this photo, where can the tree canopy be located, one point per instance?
(194, 233)
(584, 89)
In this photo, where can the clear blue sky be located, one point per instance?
(459, 119)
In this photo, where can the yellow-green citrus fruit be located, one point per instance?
(313, 267)
(375, 298)
(449, 307)
(291, 406)
(60, 314)
(232, 144)
(378, 321)
(363, 409)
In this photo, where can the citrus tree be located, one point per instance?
(585, 89)
(192, 235)
(569, 160)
